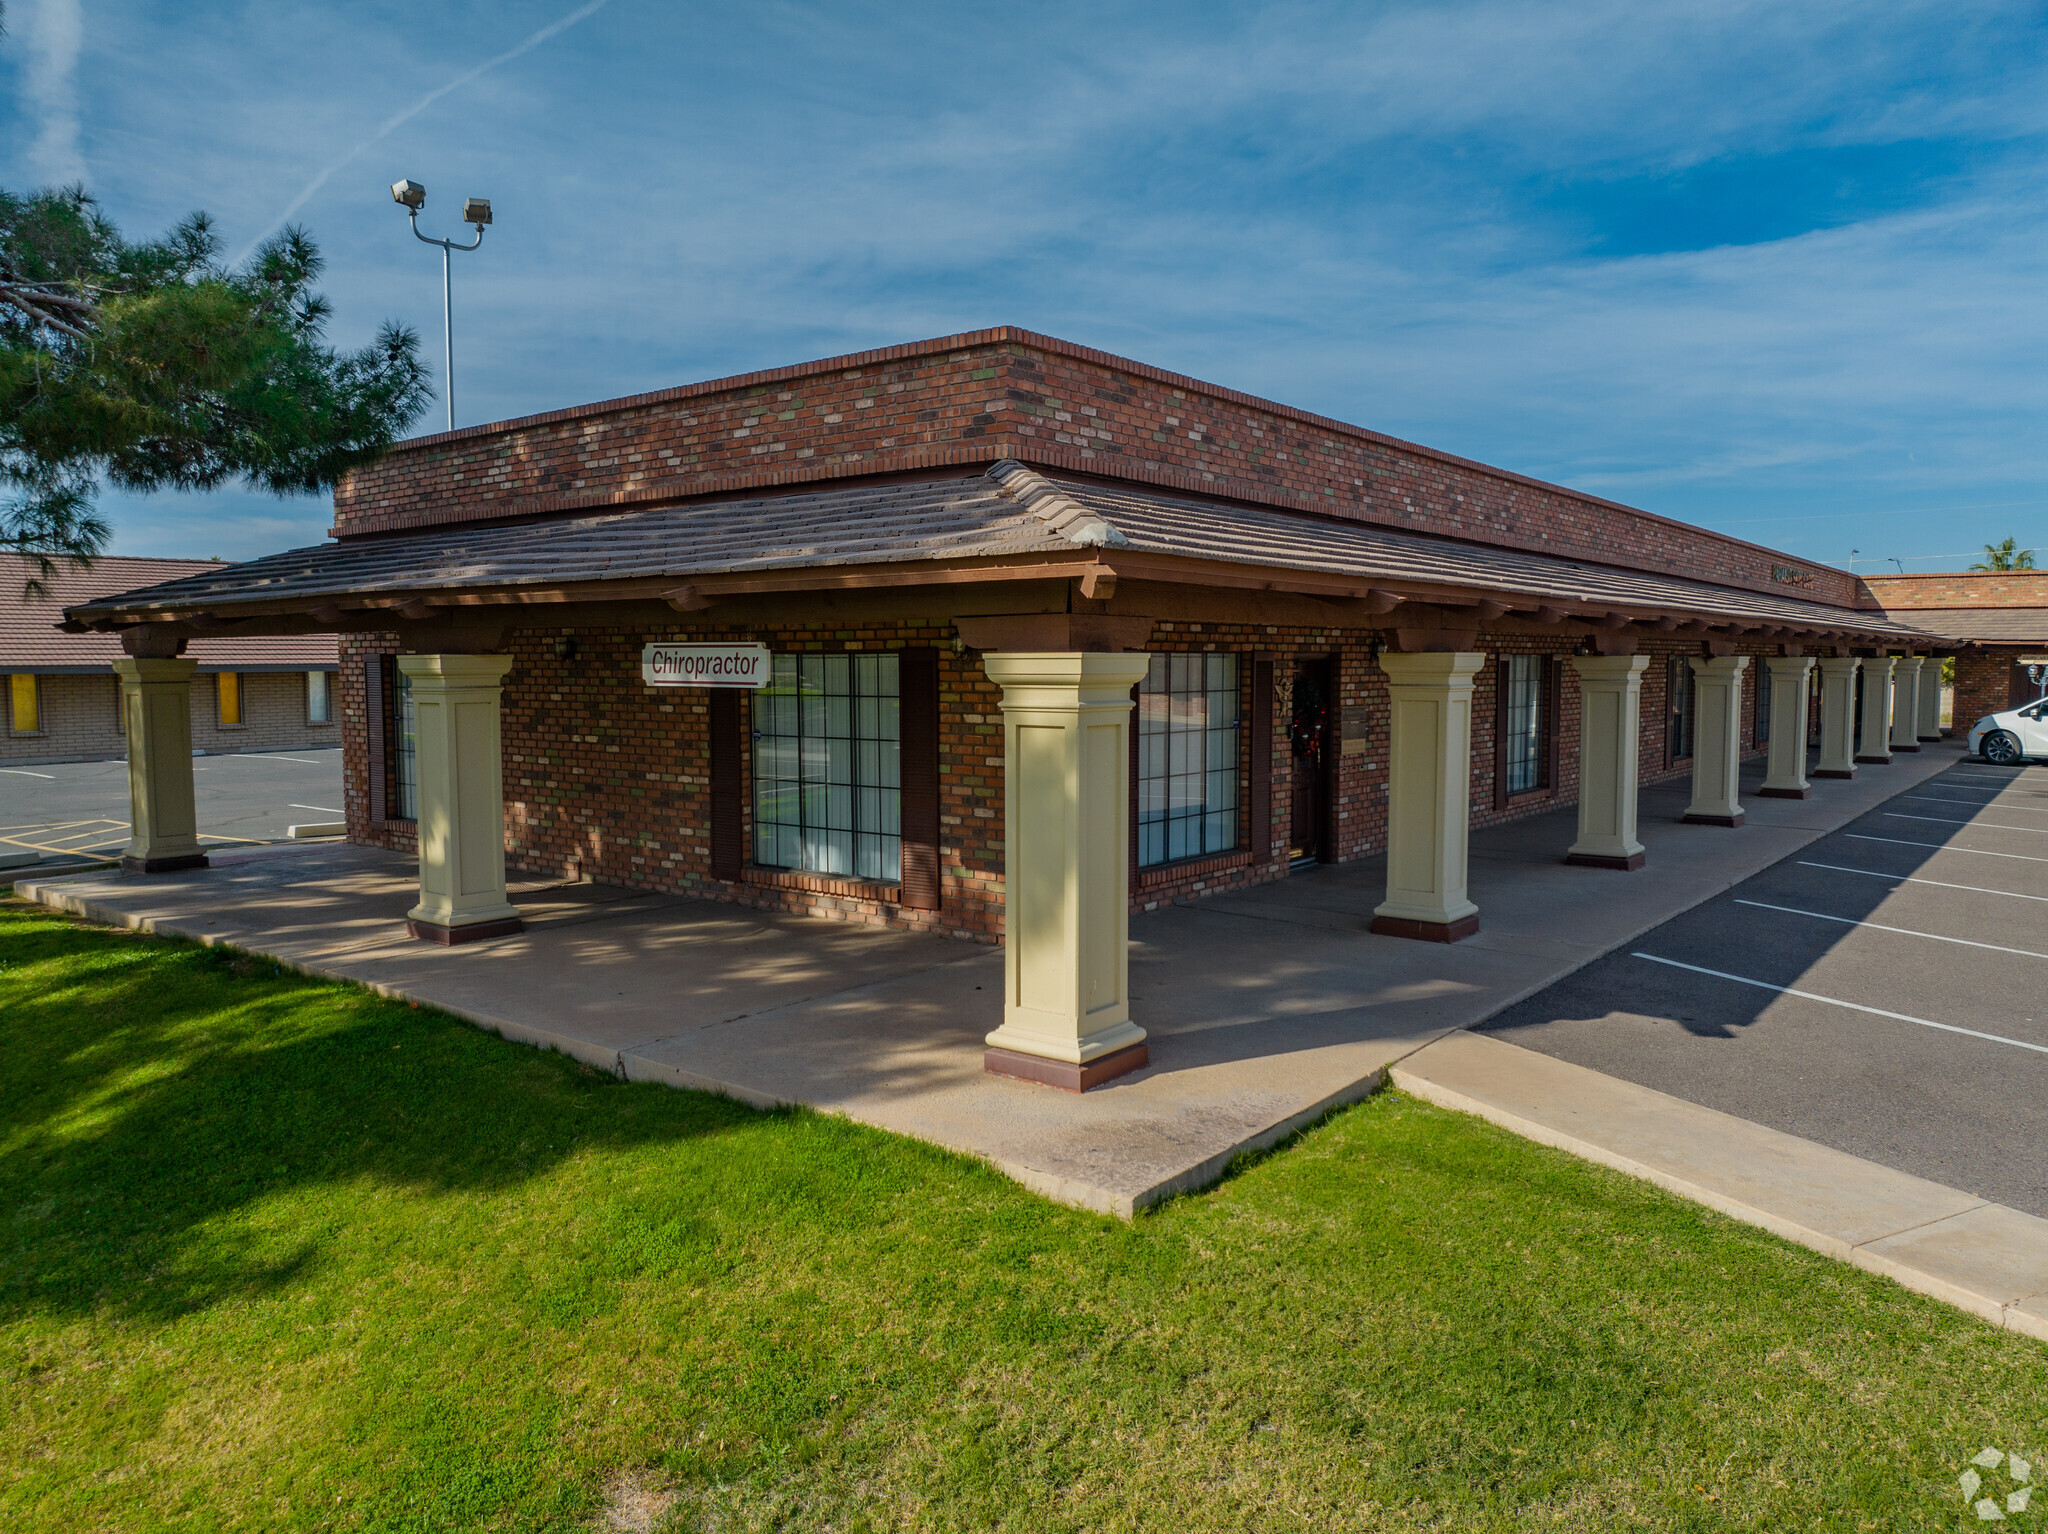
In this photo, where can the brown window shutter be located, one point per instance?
(1553, 717)
(917, 693)
(1261, 716)
(1500, 731)
(727, 851)
(375, 720)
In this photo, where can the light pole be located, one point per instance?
(475, 210)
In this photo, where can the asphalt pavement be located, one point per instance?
(79, 810)
(1883, 991)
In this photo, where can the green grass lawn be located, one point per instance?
(283, 1255)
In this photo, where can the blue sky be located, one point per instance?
(1779, 269)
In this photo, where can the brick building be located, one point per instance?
(63, 700)
(1021, 636)
(1997, 622)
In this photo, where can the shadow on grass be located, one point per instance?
(152, 1089)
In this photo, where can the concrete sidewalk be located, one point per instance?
(1980, 1256)
(1265, 1009)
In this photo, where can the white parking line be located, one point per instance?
(325, 809)
(1903, 1017)
(1878, 926)
(1965, 804)
(23, 772)
(1871, 873)
(265, 756)
(1897, 841)
(1982, 825)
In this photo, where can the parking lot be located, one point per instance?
(1883, 991)
(79, 810)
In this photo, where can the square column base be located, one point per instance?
(1426, 931)
(1628, 864)
(448, 937)
(164, 865)
(1875, 761)
(1067, 1075)
(1931, 739)
(1896, 748)
(1833, 772)
(1693, 819)
(1783, 793)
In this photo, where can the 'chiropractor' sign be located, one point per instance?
(704, 665)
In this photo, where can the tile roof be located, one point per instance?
(1978, 625)
(30, 641)
(1009, 510)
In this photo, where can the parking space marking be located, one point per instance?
(2024, 809)
(323, 808)
(1853, 1006)
(1872, 873)
(266, 756)
(1982, 825)
(1878, 926)
(23, 772)
(1896, 841)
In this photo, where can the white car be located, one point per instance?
(2011, 737)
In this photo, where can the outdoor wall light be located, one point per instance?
(565, 649)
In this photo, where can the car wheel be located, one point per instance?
(2001, 749)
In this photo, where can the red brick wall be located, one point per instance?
(608, 779)
(1005, 393)
(1983, 686)
(1969, 588)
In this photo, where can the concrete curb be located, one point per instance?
(1978, 1256)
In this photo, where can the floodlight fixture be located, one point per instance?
(476, 211)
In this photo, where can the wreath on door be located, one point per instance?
(1305, 727)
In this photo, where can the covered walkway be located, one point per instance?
(1263, 1008)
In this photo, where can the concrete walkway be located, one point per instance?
(1265, 1009)
(1980, 1256)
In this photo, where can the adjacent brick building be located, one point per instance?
(2000, 618)
(63, 701)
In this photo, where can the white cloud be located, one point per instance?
(53, 32)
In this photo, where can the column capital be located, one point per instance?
(1083, 671)
(1839, 665)
(1616, 668)
(1719, 666)
(1432, 668)
(455, 670)
(137, 669)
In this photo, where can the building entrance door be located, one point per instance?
(1308, 743)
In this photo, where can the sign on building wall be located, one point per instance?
(704, 665)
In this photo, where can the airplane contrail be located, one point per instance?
(399, 119)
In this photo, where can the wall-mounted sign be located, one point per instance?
(704, 665)
(1788, 575)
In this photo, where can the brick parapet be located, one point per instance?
(1967, 588)
(971, 399)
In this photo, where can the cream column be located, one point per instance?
(1785, 767)
(1906, 703)
(461, 798)
(1717, 753)
(1930, 699)
(1429, 796)
(156, 713)
(1610, 722)
(1837, 717)
(1066, 868)
(1875, 744)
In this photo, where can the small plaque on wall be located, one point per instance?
(1356, 723)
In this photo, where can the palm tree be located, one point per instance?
(2006, 556)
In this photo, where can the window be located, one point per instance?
(25, 703)
(1524, 727)
(1187, 757)
(1763, 700)
(405, 761)
(316, 697)
(228, 685)
(827, 790)
(1678, 735)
